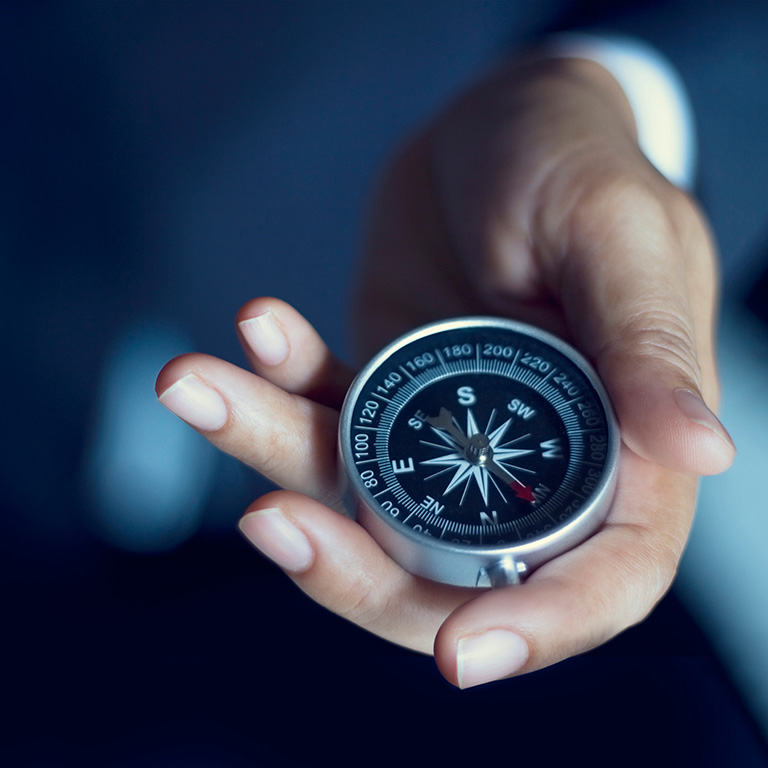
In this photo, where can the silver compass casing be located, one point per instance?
(474, 565)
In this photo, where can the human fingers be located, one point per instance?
(284, 348)
(287, 438)
(336, 562)
(582, 598)
(639, 293)
(558, 205)
(410, 274)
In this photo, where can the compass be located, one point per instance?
(475, 449)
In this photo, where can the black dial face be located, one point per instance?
(477, 435)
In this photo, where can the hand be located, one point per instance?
(527, 198)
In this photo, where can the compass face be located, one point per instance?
(479, 437)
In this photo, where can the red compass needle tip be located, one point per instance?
(522, 491)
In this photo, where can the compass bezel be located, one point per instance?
(472, 564)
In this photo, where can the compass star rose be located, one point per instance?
(475, 455)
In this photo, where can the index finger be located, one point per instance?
(582, 598)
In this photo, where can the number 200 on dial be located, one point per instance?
(474, 450)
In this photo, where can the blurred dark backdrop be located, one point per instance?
(163, 162)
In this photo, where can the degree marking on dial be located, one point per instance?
(585, 463)
(551, 373)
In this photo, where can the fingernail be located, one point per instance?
(275, 536)
(493, 655)
(697, 411)
(265, 338)
(198, 404)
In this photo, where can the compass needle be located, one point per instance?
(450, 500)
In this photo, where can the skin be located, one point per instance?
(528, 198)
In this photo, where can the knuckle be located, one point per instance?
(264, 448)
(360, 601)
(645, 563)
(651, 330)
(642, 563)
(622, 190)
(597, 187)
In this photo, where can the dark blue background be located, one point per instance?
(165, 162)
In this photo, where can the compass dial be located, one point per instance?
(478, 448)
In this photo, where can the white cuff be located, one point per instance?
(665, 126)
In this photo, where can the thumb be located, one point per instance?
(640, 299)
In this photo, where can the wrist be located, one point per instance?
(573, 104)
(596, 92)
(654, 90)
